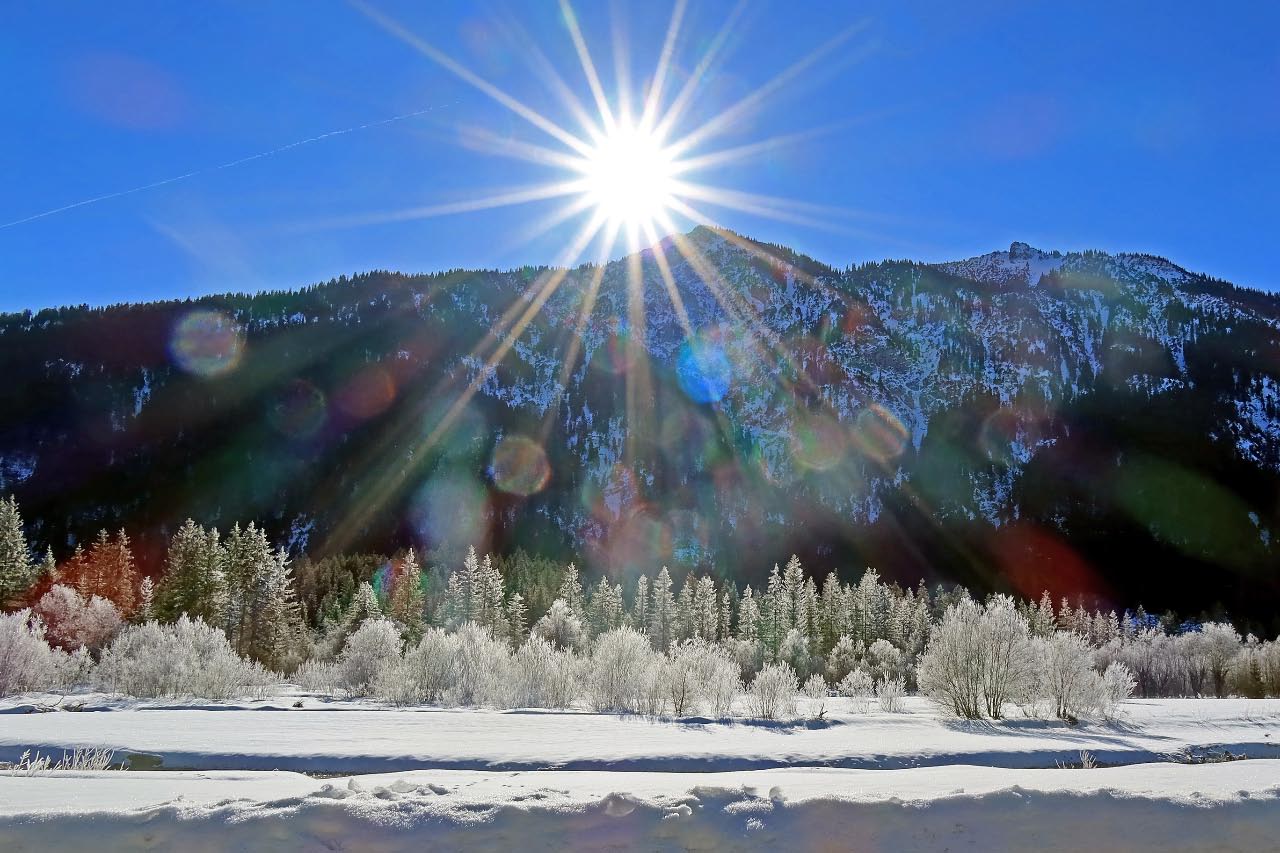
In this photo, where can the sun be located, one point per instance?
(629, 177)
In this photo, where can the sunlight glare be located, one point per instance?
(629, 176)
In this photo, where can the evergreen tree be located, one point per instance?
(193, 581)
(571, 591)
(363, 607)
(640, 608)
(662, 613)
(406, 603)
(146, 602)
(517, 619)
(15, 560)
(748, 617)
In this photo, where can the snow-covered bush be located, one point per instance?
(700, 674)
(26, 660)
(978, 658)
(1067, 677)
(680, 677)
(373, 649)
(815, 690)
(859, 687)
(482, 665)
(561, 627)
(425, 674)
(1117, 686)
(543, 676)
(619, 671)
(748, 654)
(794, 652)
(317, 676)
(718, 674)
(773, 693)
(71, 621)
(885, 660)
(889, 693)
(844, 658)
(186, 658)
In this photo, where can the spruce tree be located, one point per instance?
(146, 602)
(517, 619)
(662, 613)
(15, 560)
(571, 591)
(193, 582)
(406, 603)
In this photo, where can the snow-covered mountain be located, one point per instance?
(1084, 421)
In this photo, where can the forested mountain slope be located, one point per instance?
(1106, 425)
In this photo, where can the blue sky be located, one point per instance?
(948, 132)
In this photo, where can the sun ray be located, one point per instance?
(457, 69)
(540, 192)
(654, 95)
(727, 117)
(588, 67)
(685, 96)
(482, 139)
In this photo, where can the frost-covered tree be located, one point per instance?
(146, 611)
(368, 653)
(193, 581)
(73, 621)
(561, 627)
(748, 617)
(517, 619)
(106, 570)
(662, 613)
(16, 571)
(26, 660)
(640, 606)
(186, 658)
(979, 658)
(405, 604)
(570, 591)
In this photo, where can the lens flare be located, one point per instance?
(880, 434)
(207, 343)
(703, 370)
(629, 176)
(520, 466)
(299, 410)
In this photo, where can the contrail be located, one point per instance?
(227, 165)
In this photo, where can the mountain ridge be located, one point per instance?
(934, 419)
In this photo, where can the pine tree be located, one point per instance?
(683, 623)
(571, 591)
(406, 602)
(517, 619)
(15, 560)
(193, 581)
(363, 607)
(491, 599)
(726, 616)
(640, 608)
(146, 602)
(748, 617)
(662, 613)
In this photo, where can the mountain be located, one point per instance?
(1095, 424)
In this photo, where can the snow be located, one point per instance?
(1230, 806)
(445, 779)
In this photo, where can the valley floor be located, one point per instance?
(233, 777)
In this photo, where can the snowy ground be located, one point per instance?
(544, 780)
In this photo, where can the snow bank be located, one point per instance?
(1231, 806)
(354, 737)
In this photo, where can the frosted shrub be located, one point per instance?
(843, 659)
(619, 669)
(1067, 678)
(885, 660)
(858, 686)
(317, 676)
(371, 650)
(749, 656)
(1117, 686)
(543, 676)
(978, 658)
(561, 627)
(187, 658)
(794, 652)
(426, 674)
(773, 693)
(680, 679)
(815, 690)
(26, 661)
(889, 693)
(71, 621)
(482, 666)
(720, 684)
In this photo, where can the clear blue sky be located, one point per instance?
(1123, 126)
